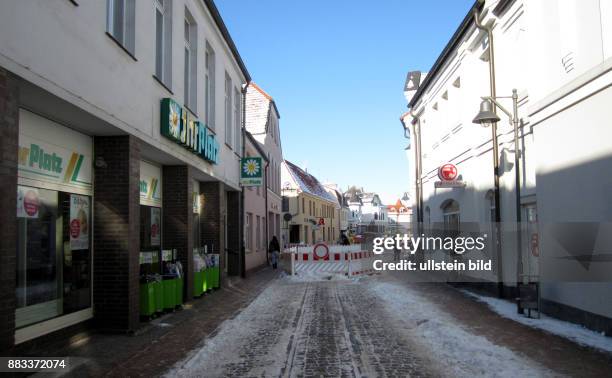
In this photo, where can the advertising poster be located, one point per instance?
(79, 222)
(155, 225)
(28, 202)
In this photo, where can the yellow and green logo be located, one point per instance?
(36, 160)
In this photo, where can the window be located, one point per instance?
(191, 54)
(258, 233)
(285, 204)
(209, 87)
(163, 41)
(237, 125)
(303, 206)
(228, 111)
(248, 230)
(450, 212)
(263, 234)
(53, 275)
(120, 22)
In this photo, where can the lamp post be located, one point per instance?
(486, 117)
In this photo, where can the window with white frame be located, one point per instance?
(163, 41)
(191, 56)
(228, 111)
(258, 233)
(209, 87)
(237, 125)
(120, 20)
(263, 234)
(248, 231)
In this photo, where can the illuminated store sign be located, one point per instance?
(178, 125)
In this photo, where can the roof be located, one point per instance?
(468, 20)
(212, 8)
(396, 208)
(266, 95)
(308, 183)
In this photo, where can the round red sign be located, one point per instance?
(447, 172)
(31, 203)
(75, 228)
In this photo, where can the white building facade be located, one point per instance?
(558, 57)
(121, 124)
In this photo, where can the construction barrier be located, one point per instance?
(349, 260)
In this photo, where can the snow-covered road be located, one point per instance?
(371, 327)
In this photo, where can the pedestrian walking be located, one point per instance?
(345, 240)
(274, 250)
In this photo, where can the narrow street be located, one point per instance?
(377, 326)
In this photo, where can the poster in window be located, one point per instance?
(28, 202)
(79, 222)
(155, 223)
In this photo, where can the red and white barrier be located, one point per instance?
(349, 260)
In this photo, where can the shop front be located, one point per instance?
(54, 227)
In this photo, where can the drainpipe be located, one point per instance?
(418, 170)
(267, 213)
(489, 31)
(241, 228)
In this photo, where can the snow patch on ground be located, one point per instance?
(307, 276)
(212, 357)
(460, 352)
(570, 331)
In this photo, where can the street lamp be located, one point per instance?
(486, 117)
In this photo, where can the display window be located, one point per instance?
(150, 238)
(54, 241)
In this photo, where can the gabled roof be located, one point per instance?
(308, 183)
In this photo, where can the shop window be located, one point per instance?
(150, 236)
(53, 254)
(121, 16)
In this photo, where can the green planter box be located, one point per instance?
(147, 299)
(169, 289)
(198, 282)
(158, 291)
(215, 277)
(178, 298)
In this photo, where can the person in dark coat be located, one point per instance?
(274, 250)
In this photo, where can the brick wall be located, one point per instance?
(9, 134)
(178, 218)
(116, 233)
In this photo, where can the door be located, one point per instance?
(531, 242)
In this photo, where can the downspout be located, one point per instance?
(267, 213)
(243, 150)
(418, 170)
(489, 31)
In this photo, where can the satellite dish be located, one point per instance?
(287, 217)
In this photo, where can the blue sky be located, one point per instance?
(336, 70)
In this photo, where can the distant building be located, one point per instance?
(311, 208)
(342, 209)
(400, 215)
(262, 124)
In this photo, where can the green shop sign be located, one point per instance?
(251, 171)
(178, 125)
